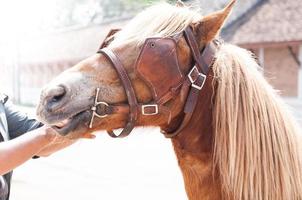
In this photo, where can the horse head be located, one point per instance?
(155, 56)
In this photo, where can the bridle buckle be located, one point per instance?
(152, 106)
(194, 80)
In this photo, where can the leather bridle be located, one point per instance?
(194, 80)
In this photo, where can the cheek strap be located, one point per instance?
(132, 101)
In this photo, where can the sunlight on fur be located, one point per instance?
(256, 148)
(159, 20)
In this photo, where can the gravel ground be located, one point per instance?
(142, 166)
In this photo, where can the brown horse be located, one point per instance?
(240, 142)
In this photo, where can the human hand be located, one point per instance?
(57, 142)
(54, 137)
(48, 133)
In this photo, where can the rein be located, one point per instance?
(194, 80)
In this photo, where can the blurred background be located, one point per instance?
(41, 38)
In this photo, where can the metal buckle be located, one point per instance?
(194, 85)
(155, 106)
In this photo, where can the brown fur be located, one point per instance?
(194, 150)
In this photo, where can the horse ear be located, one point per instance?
(210, 26)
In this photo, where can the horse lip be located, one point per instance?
(78, 117)
(62, 123)
(73, 123)
(54, 118)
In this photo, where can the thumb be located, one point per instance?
(88, 136)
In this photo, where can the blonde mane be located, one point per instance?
(159, 20)
(256, 150)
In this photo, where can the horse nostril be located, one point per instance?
(55, 97)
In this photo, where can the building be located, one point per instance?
(272, 29)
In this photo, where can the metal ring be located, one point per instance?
(95, 111)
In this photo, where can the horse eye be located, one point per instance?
(152, 44)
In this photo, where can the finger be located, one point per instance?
(88, 136)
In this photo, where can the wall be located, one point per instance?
(281, 70)
(34, 76)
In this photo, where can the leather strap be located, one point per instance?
(148, 109)
(199, 61)
(109, 38)
(202, 63)
(132, 101)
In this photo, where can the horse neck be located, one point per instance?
(194, 149)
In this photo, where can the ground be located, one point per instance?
(142, 166)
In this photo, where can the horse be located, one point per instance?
(240, 141)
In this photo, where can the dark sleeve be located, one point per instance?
(18, 122)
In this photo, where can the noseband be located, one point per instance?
(162, 90)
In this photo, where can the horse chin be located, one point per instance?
(73, 125)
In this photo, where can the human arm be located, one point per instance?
(60, 143)
(20, 123)
(15, 152)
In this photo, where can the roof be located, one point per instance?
(269, 21)
(240, 7)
